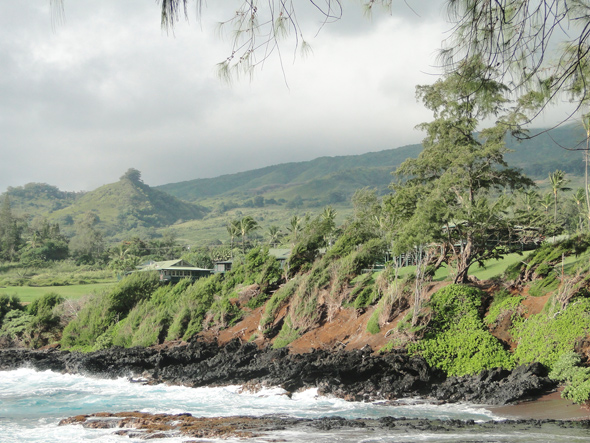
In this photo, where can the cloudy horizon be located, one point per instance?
(108, 90)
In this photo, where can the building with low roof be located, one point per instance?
(175, 270)
(281, 254)
(222, 266)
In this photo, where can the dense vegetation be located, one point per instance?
(458, 204)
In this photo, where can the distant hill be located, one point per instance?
(40, 198)
(326, 179)
(315, 179)
(547, 151)
(130, 207)
(121, 207)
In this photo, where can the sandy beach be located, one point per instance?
(550, 406)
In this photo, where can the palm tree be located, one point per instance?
(233, 229)
(274, 233)
(328, 218)
(329, 215)
(528, 207)
(294, 227)
(579, 198)
(557, 181)
(547, 202)
(529, 199)
(247, 225)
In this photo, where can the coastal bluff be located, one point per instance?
(358, 375)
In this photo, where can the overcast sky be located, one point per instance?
(84, 100)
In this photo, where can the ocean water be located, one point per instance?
(32, 403)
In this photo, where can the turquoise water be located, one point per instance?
(32, 404)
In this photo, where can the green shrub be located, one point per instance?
(545, 337)
(9, 303)
(451, 303)
(278, 299)
(105, 310)
(502, 307)
(42, 307)
(104, 341)
(356, 233)
(304, 310)
(513, 271)
(192, 307)
(465, 348)
(179, 324)
(257, 301)
(224, 312)
(405, 323)
(543, 286)
(304, 253)
(373, 323)
(286, 335)
(568, 369)
(365, 297)
(457, 340)
(129, 291)
(16, 325)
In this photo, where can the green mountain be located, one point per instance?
(330, 179)
(124, 207)
(312, 180)
(545, 152)
(130, 207)
(39, 198)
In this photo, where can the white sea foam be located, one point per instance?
(32, 403)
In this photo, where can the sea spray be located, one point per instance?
(32, 404)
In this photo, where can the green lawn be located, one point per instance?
(29, 293)
(494, 268)
(491, 269)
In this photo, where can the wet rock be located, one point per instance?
(497, 386)
(354, 375)
(147, 426)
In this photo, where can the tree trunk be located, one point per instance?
(463, 263)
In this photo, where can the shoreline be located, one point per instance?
(351, 375)
(547, 407)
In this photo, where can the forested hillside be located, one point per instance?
(329, 180)
(117, 209)
(199, 209)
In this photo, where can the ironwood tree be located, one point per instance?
(448, 195)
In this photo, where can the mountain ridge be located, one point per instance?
(536, 156)
(132, 207)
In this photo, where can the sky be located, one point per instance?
(85, 98)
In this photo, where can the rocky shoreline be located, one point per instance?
(353, 375)
(147, 426)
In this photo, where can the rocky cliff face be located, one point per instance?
(354, 375)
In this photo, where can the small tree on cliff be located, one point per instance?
(133, 175)
(445, 198)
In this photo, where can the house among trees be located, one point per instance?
(282, 255)
(222, 266)
(175, 270)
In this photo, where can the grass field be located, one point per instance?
(29, 293)
(491, 269)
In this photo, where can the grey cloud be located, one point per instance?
(108, 90)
